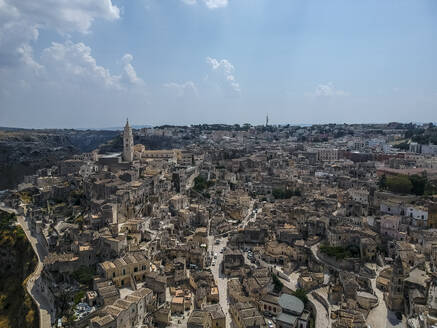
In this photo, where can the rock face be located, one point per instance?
(17, 309)
(22, 152)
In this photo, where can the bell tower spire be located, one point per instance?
(128, 143)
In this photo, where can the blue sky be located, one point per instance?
(82, 63)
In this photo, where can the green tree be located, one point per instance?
(84, 275)
(200, 184)
(301, 294)
(78, 297)
(285, 193)
(399, 184)
(419, 183)
(402, 146)
(277, 284)
(382, 182)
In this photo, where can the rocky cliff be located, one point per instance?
(18, 260)
(22, 152)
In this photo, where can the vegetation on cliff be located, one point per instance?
(17, 309)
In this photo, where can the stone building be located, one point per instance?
(395, 295)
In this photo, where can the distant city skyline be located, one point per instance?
(76, 64)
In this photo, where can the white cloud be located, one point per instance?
(129, 73)
(224, 70)
(214, 4)
(182, 89)
(69, 85)
(327, 90)
(211, 4)
(26, 55)
(21, 21)
(73, 63)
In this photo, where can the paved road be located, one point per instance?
(322, 318)
(44, 306)
(220, 279)
(314, 250)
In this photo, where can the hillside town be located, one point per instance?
(244, 227)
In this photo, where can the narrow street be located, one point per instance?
(322, 317)
(33, 284)
(221, 280)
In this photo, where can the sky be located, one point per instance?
(94, 63)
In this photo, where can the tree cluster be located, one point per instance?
(402, 184)
(285, 193)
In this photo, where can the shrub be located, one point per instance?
(84, 275)
(339, 252)
(201, 184)
(78, 297)
(277, 284)
(301, 294)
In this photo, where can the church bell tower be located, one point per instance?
(128, 143)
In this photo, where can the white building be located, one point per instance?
(418, 214)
